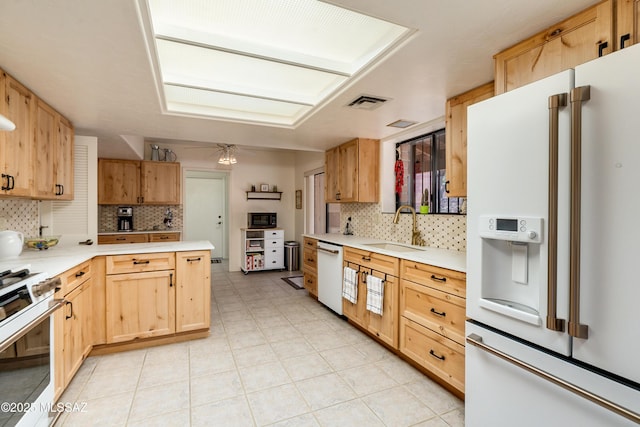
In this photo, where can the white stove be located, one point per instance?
(26, 346)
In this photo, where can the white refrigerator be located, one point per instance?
(553, 299)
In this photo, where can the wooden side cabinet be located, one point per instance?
(310, 265)
(576, 40)
(16, 163)
(193, 290)
(53, 154)
(456, 137)
(351, 171)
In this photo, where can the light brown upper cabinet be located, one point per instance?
(627, 23)
(53, 154)
(351, 171)
(16, 147)
(133, 182)
(456, 137)
(578, 39)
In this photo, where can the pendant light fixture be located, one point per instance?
(227, 156)
(6, 124)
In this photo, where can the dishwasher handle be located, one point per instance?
(331, 251)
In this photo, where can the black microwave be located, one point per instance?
(262, 220)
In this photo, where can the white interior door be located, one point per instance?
(205, 210)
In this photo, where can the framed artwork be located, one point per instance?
(298, 199)
(264, 187)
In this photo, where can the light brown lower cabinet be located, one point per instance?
(310, 265)
(193, 288)
(439, 355)
(383, 327)
(72, 325)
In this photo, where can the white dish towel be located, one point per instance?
(375, 294)
(350, 285)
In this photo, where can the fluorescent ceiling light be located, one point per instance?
(402, 124)
(270, 62)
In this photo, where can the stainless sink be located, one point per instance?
(395, 247)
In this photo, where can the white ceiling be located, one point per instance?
(89, 60)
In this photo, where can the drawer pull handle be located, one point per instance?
(136, 262)
(121, 238)
(80, 274)
(433, 353)
(366, 258)
(439, 279)
(164, 237)
(438, 313)
(193, 259)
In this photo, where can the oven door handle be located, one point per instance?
(53, 306)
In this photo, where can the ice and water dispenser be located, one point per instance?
(513, 267)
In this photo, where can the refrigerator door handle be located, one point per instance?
(476, 340)
(578, 96)
(553, 323)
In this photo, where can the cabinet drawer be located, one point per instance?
(164, 237)
(310, 243)
(110, 239)
(140, 263)
(274, 234)
(273, 258)
(310, 260)
(450, 281)
(439, 355)
(382, 263)
(273, 243)
(439, 311)
(311, 283)
(75, 276)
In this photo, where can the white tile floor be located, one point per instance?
(275, 357)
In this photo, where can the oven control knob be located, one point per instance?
(46, 286)
(532, 234)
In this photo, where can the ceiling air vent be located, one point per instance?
(367, 102)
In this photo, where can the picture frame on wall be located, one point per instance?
(298, 199)
(264, 187)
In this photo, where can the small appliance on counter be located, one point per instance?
(125, 218)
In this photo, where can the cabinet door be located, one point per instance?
(77, 329)
(164, 237)
(16, 162)
(367, 170)
(348, 171)
(456, 137)
(118, 182)
(627, 23)
(574, 41)
(45, 151)
(193, 292)
(385, 327)
(64, 160)
(160, 183)
(140, 305)
(357, 313)
(332, 172)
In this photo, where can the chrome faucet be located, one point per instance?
(416, 239)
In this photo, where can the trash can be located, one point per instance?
(292, 255)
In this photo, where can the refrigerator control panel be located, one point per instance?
(516, 229)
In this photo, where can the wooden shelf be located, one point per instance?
(264, 195)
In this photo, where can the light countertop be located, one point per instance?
(444, 258)
(58, 259)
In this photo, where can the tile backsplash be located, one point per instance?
(20, 215)
(438, 231)
(144, 217)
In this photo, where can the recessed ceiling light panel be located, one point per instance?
(402, 124)
(286, 51)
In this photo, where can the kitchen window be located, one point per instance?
(420, 175)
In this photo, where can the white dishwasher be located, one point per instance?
(330, 275)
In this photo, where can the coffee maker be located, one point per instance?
(125, 218)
